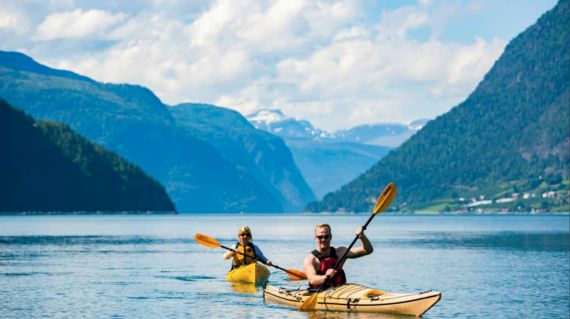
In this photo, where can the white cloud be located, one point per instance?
(397, 23)
(386, 74)
(336, 63)
(351, 33)
(9, 21)
(472, 62)
(76, 24)
(246, 104)
(157, 52)
(211, 26)
(278, 28)
(13, 20)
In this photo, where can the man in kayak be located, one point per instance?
(319, 265)
(246, 247)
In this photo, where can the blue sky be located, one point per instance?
(335, 63)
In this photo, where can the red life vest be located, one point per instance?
(327, 263)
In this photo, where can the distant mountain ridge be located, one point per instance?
(25, 63)
(46, 167)
(381, 134)
(133, 122)
(251, 150)
(505, 148)
(326, 160)
(274, 121)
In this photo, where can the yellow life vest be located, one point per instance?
(240, 259)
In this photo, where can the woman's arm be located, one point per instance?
(260, 255)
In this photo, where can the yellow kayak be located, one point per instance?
(357, 298)
(252, 273)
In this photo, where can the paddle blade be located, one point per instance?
(386, 198)
(206, 241)
(310, 303)
(295, 274)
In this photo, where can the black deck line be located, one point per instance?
(383, 304)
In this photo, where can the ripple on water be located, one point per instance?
(188, 278)
(526, 241)
(33, 273)
(91, 240)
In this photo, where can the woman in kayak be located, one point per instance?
(319, 264)
(247, 252)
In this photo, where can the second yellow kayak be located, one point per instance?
(252, 273)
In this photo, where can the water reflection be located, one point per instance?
(350, 315)
(244, 288)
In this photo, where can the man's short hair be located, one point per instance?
(323, 226)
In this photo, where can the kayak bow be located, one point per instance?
(253, 273)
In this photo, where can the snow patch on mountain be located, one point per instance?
(382, 134)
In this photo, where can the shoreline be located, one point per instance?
(87, 213)
(159, 213)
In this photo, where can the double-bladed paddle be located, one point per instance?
(382, 203)
(213, 243)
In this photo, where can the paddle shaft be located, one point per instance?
(345, 255)
(343, 258)
(377, 209)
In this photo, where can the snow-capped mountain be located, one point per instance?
(330, 160)
(274, 121)
(381, 134)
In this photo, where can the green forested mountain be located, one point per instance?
(506, 147)
(45, 166)
(264, 156)
(131, 121)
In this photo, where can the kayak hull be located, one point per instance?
(357, 298)
(251, 274)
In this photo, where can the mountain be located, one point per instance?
(46, 166)
(381, 134)
(132, 121)
(264, 156)
(328, 165)
(505, 148)
(326, 160)
(274, 121)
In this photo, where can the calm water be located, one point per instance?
(150, 266)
